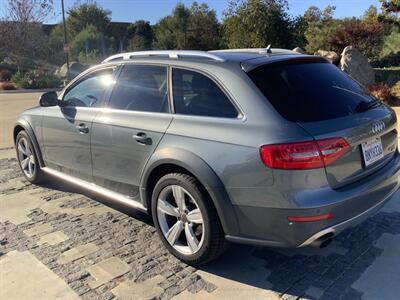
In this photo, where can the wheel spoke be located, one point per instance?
(191, 238)
(179, 196)
(195, 216)
(21, 149)
(30, 166)
(25, 162)
(167, 208)
(174, 232)
(26, 146)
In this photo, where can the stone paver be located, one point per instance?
(23, 276)
(147, 289)
(39, 229)
(53, 238)
(16, 209)
(77, 253)
(107, 270)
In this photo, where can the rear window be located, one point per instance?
(309, 91)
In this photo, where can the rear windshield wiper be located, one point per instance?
(367, 105)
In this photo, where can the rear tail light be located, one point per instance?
(303, 155)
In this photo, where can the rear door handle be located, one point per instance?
(82, 128)
(142, 138)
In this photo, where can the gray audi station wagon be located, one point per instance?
(257, 146)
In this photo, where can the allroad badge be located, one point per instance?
(378, 127)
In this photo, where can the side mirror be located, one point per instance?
(48, 99)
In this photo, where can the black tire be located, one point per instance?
(37, 174)
(214, 243)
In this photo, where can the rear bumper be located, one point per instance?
(351, 206)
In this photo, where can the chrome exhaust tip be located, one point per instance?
(323, 241)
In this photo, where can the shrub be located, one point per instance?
(7, 86)
(383, 92)
(365, 36)
(36, 80)
(5, 75)
(396, 89)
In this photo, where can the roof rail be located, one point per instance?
(169, 53)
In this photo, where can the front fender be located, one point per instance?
(24, 124)
(203, 172)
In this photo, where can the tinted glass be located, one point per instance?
(309, 91)
(196, 94)
(90, 91)
(141, 88)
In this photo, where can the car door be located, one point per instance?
(126, 133)
(67, 127)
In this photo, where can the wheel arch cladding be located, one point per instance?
(23, 124)
(169, 160)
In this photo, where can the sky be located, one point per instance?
(154, 10)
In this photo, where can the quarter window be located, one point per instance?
(89, 92)
(141, 88)
(196, 94)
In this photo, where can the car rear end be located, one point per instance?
(341, 174)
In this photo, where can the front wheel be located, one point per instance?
(27, 158)
(186, 219)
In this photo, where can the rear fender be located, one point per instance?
(203, 172)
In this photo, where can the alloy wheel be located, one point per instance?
(26, 157)
(180, 219)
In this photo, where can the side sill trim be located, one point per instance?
(96, 189)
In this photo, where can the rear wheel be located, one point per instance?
(27, 158)
(186, 220)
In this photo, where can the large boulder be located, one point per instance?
(331, 56)
(299, 50)
(75, 68)
(357, 66)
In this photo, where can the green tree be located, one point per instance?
(203, 29)
(320, 24)
(390, 6)
(164, 34)
(82, 15)
(257, 23)
(88, 44)
(140, 36)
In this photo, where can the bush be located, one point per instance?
(365, 36)
(396, 89)
(36, 80)
(7, 86)
(5, 75)
(384, 92)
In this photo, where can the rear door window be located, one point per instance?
(196, 94)
(309, 91)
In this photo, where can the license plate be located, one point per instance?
(372, 151)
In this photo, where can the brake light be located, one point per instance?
(303, 155)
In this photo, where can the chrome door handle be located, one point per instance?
(142, 138)
(82, 128)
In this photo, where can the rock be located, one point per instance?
(75, 68)
(299, 50)
(331, 56)
(357, 66)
